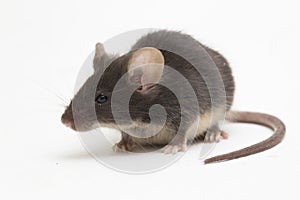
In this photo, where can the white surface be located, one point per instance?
(43, 45)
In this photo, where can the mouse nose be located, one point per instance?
(68, 122)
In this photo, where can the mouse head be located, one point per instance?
(92, 105)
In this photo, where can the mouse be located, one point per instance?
(146, 68)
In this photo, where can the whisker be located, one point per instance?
(53, 92)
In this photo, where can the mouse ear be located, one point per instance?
(145, 67)
(99, 50)
(99, 53)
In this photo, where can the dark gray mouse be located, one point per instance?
(144, 66)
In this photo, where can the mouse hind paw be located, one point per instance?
(178, 144)
(215, 135)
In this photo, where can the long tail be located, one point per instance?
(255, 118)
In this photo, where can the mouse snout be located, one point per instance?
(67, 120)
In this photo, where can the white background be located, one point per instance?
(42, 47)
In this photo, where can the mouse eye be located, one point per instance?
(101, 98)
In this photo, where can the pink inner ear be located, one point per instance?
(152, 73)
(144, 80)
(135, 76)
(146, 67)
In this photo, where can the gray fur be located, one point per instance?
(206, 71)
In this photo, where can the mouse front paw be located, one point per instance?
(123, 147)
(172, 149)
(126, 144)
